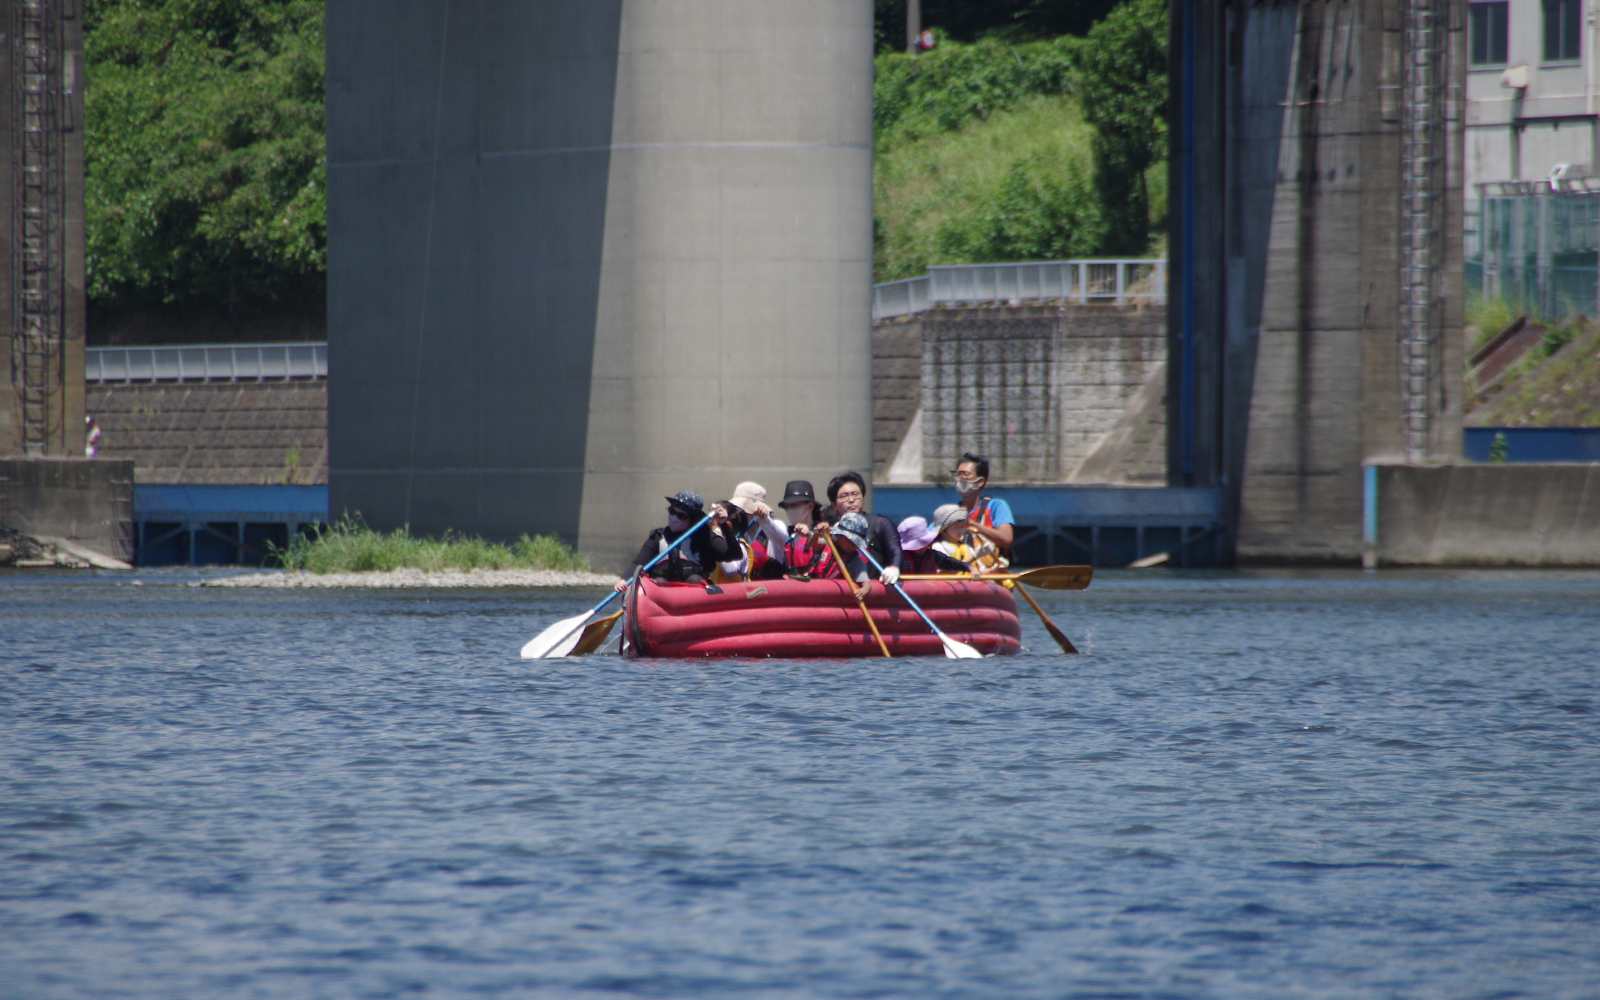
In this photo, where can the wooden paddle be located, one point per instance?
(562, 637)
(839, 561)
(594, 634)
(1050, 626)
(1045, 577)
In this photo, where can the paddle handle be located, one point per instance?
(827, 536)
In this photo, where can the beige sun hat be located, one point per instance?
(747, 495)
(947, 514)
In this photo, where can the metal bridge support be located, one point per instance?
(42, 273)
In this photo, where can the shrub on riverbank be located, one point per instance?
(349, 546)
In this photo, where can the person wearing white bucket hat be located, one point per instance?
(758, 540)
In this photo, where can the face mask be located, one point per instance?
(676, 523)
(966, 487)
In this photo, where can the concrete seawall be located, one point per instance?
(1489, 515)
(216, 433)
(88, 501)
(1036, 389)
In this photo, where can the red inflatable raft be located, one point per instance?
(793, 618)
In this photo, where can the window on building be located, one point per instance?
(1488, 24)
(1563, 20)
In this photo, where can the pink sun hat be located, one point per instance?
(915, 533)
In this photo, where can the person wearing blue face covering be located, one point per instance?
(692, 561)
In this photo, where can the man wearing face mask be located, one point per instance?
(986, 516)
(691, 561)
(848, 494)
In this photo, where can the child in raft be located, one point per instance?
(916, 541)
(850, 536)
(956, 542)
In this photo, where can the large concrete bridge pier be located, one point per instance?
(586, 254)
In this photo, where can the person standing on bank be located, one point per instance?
(987, 517)
(848, 494)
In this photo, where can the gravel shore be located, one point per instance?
(418, 578)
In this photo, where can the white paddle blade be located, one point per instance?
(558, 639)
(958, 650)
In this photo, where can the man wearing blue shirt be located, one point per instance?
(986, 516)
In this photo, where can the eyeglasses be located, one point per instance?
(847, 494)
(969, 476)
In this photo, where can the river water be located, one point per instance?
(1319, 785)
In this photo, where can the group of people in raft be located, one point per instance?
(743, 541)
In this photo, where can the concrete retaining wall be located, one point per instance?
(1489, 515)
(84, 500)
(219, 433)
(1036, 389)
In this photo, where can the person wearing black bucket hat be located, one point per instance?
(690, 562)
(799, 502)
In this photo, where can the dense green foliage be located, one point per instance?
(206, 174)
(960, 178)
(1013, 186)
(970, 20)
(349, 546)
(1122, 82)
(917, 96)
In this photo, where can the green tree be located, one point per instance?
(206, 172)
(970, 20)
(1121, 77)
(1039, 214)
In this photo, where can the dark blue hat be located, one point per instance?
(688, 501)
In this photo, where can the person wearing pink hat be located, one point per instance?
(916, 541)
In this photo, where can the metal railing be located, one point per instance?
(232, 363)
(1535, 245)
(1117, 281)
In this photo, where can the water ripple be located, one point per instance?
(1256, 785)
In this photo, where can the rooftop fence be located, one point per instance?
(1117, 281)
(234, 363)
(1535, 243)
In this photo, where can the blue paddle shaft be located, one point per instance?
(902, 591)
(647, 566)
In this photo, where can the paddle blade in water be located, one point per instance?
(958, 650)
(594, 634)
(558, 639)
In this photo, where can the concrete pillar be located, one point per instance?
(586, 254)
(1285, 309)
(733, 339)
(42, 237)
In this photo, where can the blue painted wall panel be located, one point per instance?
(1534, 444)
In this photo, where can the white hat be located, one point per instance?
(747, 495)
(947, 514)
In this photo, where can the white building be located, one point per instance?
(1533, 84)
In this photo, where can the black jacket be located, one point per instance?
(696, 557)
(884, 542)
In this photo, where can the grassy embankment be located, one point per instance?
(1014, 186)
(1556, 384)
(990, 151)
(348, 546)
